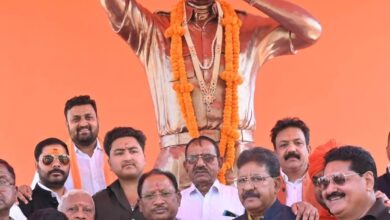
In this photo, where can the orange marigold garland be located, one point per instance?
(229, 133)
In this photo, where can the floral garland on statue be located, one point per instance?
(229, 132)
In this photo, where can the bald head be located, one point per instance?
(77, 204)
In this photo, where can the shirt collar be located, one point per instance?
(216, 187)
(53, 194)
(286, 179)
(190, 11)
(97, 148)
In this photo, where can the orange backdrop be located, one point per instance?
(53, 50)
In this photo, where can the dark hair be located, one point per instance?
(47, 214)
(153, 172)
(199, 140)
(262, 157)
(46, 142)
(9, 168)
(361, 160)
(120, 132)
(79, 100)
(290, 122)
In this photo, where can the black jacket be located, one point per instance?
(111, 203)
(276, 212)
(383, 183)
(41, 199)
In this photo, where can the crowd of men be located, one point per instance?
(87, 179)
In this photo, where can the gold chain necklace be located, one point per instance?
(208, 92)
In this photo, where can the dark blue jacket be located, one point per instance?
(277, 212)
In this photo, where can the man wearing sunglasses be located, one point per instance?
(206, 198)
(348, 185)
(52, 164)
(258, 183)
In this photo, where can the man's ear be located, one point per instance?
(309, 148)
(278, 183)
(179, 198)
(185, 166)
(370, 180)
(140, 205)
(220, 162)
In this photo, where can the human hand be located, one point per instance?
(24, 193)
(305, 211)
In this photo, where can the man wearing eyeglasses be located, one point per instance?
(348, 185)
(206, 198)
(125, 149)
(258, 182)
(7, 189)
(159, 195)
(52, 164)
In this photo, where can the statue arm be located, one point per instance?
(298, 29)
(130, 20)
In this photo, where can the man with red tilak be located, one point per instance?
(201, 61)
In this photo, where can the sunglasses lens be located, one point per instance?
(323, 182)
(339, 179)
(63, 159)
(47, 159)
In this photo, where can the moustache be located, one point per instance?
(335, 194)
(249, 194)
(200, 170)
(127, 163)
(159, 207)
(56, 171)
(292, 154)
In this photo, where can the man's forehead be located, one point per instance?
(79, 199)
(4, 173)
(337, 166)
(201, 146)
(81, 110)
(253, 168)
(55, 149)
(156, 183)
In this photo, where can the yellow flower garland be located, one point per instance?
(229, 133)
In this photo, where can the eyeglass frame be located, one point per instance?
(202, 156)
(165, 195)
(250, 180)
(5, 183)
(332, 177)
(54, 156)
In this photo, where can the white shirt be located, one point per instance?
(293, 189)
(90, 168)
(16, 213)
(195, 206)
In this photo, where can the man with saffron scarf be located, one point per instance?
(202, 60)
(89, 169)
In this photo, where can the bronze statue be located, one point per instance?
(203, 45)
